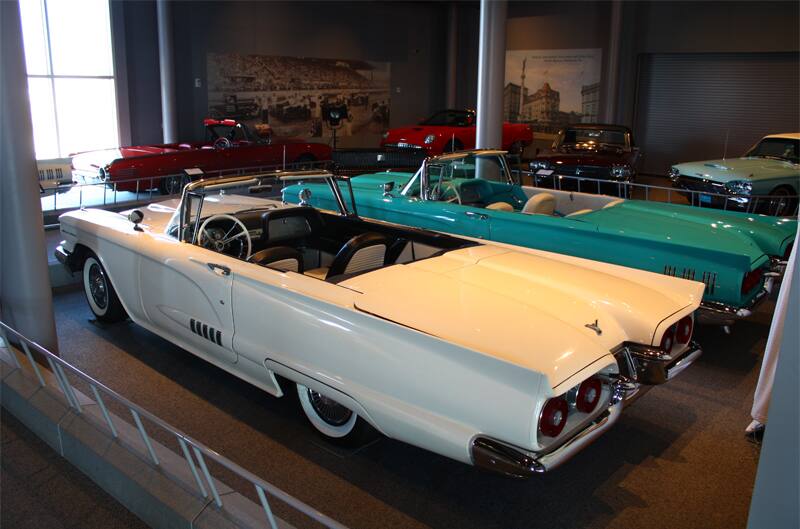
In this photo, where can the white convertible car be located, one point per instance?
(512, 360)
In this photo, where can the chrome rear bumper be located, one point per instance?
(715, 313)
(637, 374)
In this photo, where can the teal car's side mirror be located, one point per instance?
(387, 189)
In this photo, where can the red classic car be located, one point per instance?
(453, 130)
(228, 145)
(603, 152)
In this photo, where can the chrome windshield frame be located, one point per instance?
(424, 177)
(198, 190)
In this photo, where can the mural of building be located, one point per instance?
(543, 105)
(513, 96)
(590, 102)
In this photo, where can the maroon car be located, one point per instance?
(589, 150)
(229, 145)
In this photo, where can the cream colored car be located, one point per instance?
(511, 360)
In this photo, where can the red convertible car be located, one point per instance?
(453, 130)
(228, 145)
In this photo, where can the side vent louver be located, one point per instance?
(709, 278)
(209, 333)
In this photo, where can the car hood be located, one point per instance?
(724, 171)
(525, 309)
(416, 134)
(94, 160)
(586, 157)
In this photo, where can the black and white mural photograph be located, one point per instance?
(551, 88)
(300, 96)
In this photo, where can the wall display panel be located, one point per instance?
(551, 88)
(300, 96)
(707, 106)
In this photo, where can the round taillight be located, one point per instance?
(588, 395)
(684, 332)
(668, 340)
(553, 417)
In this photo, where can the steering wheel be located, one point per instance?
(222, 143)
(222, 241)
(456, 198)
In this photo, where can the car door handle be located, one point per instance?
(219, 269)
(480, 216)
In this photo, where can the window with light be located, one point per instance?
(70, 76)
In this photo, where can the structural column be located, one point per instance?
(452, 54)
(169, 119)
(26, 302)
(609, 114)
(491, 74)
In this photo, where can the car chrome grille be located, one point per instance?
(588, 171)
(700, 184)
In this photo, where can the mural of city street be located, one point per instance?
(295, 95)
(550, 88)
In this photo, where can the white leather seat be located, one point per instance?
(614, 203)
(580, 212)
(500, 206)
(540, 204)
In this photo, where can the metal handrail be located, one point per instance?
(753, 203)
(201, 451)
(146, 186)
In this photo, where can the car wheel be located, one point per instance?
(100, 294)
(453, 145)
(782, 202)
(171, 185)
(334, 421)
(305, 162)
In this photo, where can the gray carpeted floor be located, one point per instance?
(677, 458)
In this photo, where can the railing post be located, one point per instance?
(265, 505)
(209, 479)
(192, 466)
(104, 410)
(60, 382)
(33, 363)
(69, 388)
(7, 345)
(143, 433)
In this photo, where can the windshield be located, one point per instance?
(236, 132)
(778, 149)
(451, 118)
(591, 138)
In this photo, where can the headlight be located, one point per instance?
(739, 187)
(429, 139)
(539, 164)
(674, 173)
(621, 171)
(102, 173)
(385, 134)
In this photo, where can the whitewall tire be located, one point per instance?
(332, 420)
(100, 294)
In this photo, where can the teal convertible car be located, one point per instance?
(472, 193)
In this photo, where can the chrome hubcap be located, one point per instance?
(328, 409)
(97, 286)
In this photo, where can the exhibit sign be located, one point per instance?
(551, 88)
(300, 96)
